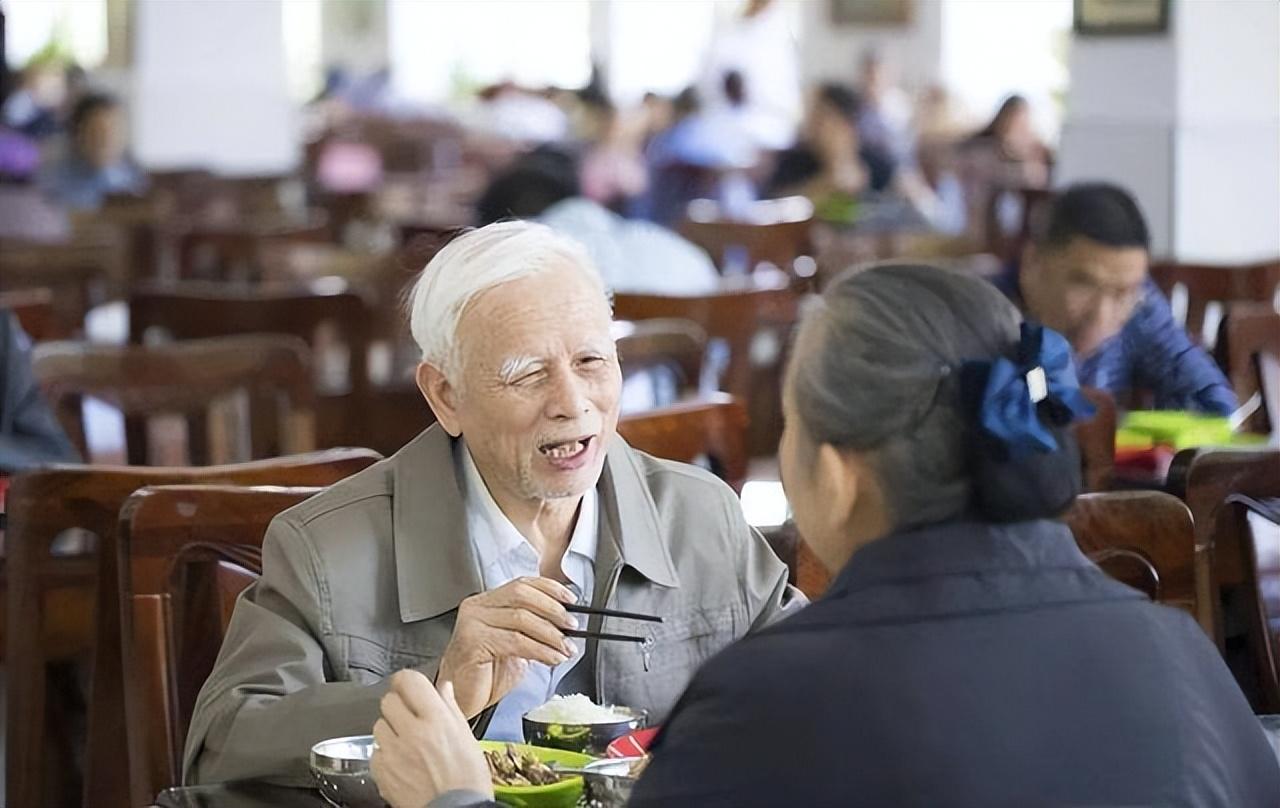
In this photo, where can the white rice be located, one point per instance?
(575, 709)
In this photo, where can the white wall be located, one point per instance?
(1190, 122)
(1228, 144)
(210, 87)
(1121, 111)
(913, 51)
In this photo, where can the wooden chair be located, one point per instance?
(1248, 349)
(714, 428)
(1225, 284)
(232, 250)
(1097, 440)
(1007, 244)
(186, 379)
(1255, 526)
(776, 231)
(52, 596)
(739, 315)
(175, 545)
(671, 343)
(1204, 479)
(1144, 538)
(35, 313)
(82, 273)
(334, 322)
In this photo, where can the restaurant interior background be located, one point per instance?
(325, 140)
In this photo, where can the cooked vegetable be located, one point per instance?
(510, 767)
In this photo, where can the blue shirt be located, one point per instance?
(504, 555)
(1151, 352)
(80, 186)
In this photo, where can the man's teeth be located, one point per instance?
(563, 450)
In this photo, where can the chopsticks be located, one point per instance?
(576, 609)
(595, 635)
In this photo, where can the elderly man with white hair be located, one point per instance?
(456, 556)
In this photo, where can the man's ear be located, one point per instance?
(441, 395)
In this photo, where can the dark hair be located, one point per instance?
(877, 370)
(841, 97)
(735, 88)
(534, 183)
(87, 106)
(998, 121)
(687, 102)
(1098, 211)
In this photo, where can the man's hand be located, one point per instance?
(424, 745)
(497, 632)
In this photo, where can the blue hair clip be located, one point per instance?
(1018, 397)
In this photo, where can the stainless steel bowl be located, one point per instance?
(591, 739)
(608, 782)
(341, 769)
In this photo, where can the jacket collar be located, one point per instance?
(436, 566)
(963, 548)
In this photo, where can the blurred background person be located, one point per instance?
(760, 47)
(95, 162)
(884, 116)
(1085, 274)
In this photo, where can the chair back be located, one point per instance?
(186, 379)
(60, 599)
(669, 343)
(1144, 538)
(35, 313)
(715, 429)
(1224, 284)
(171, 541)
(1254, 524)
(777, 233)
(1248, 349)
(82, 273)
(745, 317)
(1097, 440)
(1204, 479)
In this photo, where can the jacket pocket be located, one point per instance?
(368, 661)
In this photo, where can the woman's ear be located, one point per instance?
(441, 395)
(838, 477)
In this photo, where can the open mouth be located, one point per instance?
(566, 449)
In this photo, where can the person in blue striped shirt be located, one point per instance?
(1085, 275)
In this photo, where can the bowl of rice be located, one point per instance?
(578, 724)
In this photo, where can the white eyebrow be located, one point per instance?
(515, 367)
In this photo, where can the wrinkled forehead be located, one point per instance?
(537, 316)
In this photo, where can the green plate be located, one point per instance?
(563, 794)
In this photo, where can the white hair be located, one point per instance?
(475, 262)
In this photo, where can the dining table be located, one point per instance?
(259, 794)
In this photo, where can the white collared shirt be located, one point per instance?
(504, 555)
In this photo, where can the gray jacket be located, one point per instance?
(365, 578)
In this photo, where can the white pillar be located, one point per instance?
(1190, 122)
(210, 87)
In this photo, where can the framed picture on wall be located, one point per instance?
(1121, 17)
(870, 12)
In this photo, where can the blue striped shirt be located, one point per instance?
(1152, 353)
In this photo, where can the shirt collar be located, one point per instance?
(428, 512)
(504, 538)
